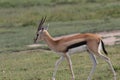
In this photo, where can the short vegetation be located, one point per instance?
(19, 20)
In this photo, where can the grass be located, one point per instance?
(15, 39)
(27, 16)
(21, 63)
(19, 20)
(39, 64)
(29, 3)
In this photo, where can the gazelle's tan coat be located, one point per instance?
(60, 44)
(66, 45)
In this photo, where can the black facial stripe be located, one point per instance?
(76, 45)
(36, 37)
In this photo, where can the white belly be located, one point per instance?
(77, 49)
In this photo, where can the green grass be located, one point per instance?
(18, 62)
(27, 16)
(18, 23)
(39, 65)
(29, 3)
(15, 39)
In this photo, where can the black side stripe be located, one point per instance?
(76, 45)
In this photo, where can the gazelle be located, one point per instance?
(70, 44)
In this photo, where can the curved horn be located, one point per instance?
(41, 23)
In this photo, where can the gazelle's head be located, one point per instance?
(40, 31)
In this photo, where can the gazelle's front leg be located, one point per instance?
(56, 66)
(70, 65)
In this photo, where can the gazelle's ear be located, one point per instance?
(46, 27)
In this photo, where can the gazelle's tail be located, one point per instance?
(103, 47)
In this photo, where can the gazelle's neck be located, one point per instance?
(49, 40)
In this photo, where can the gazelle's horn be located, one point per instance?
(41, 23)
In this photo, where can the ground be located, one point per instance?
(111, 38)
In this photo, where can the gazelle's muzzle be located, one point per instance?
(35, 39)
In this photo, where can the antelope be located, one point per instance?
(70, 44)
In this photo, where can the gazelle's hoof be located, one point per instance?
(73, 78)
(53, 78)
(88, 78)
(114, 77)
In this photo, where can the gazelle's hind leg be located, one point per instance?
(109, 63)
(106, 59)
(96, 49)
(93, 59)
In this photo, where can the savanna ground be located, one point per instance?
(18, 23)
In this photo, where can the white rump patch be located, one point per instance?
(99, 47)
